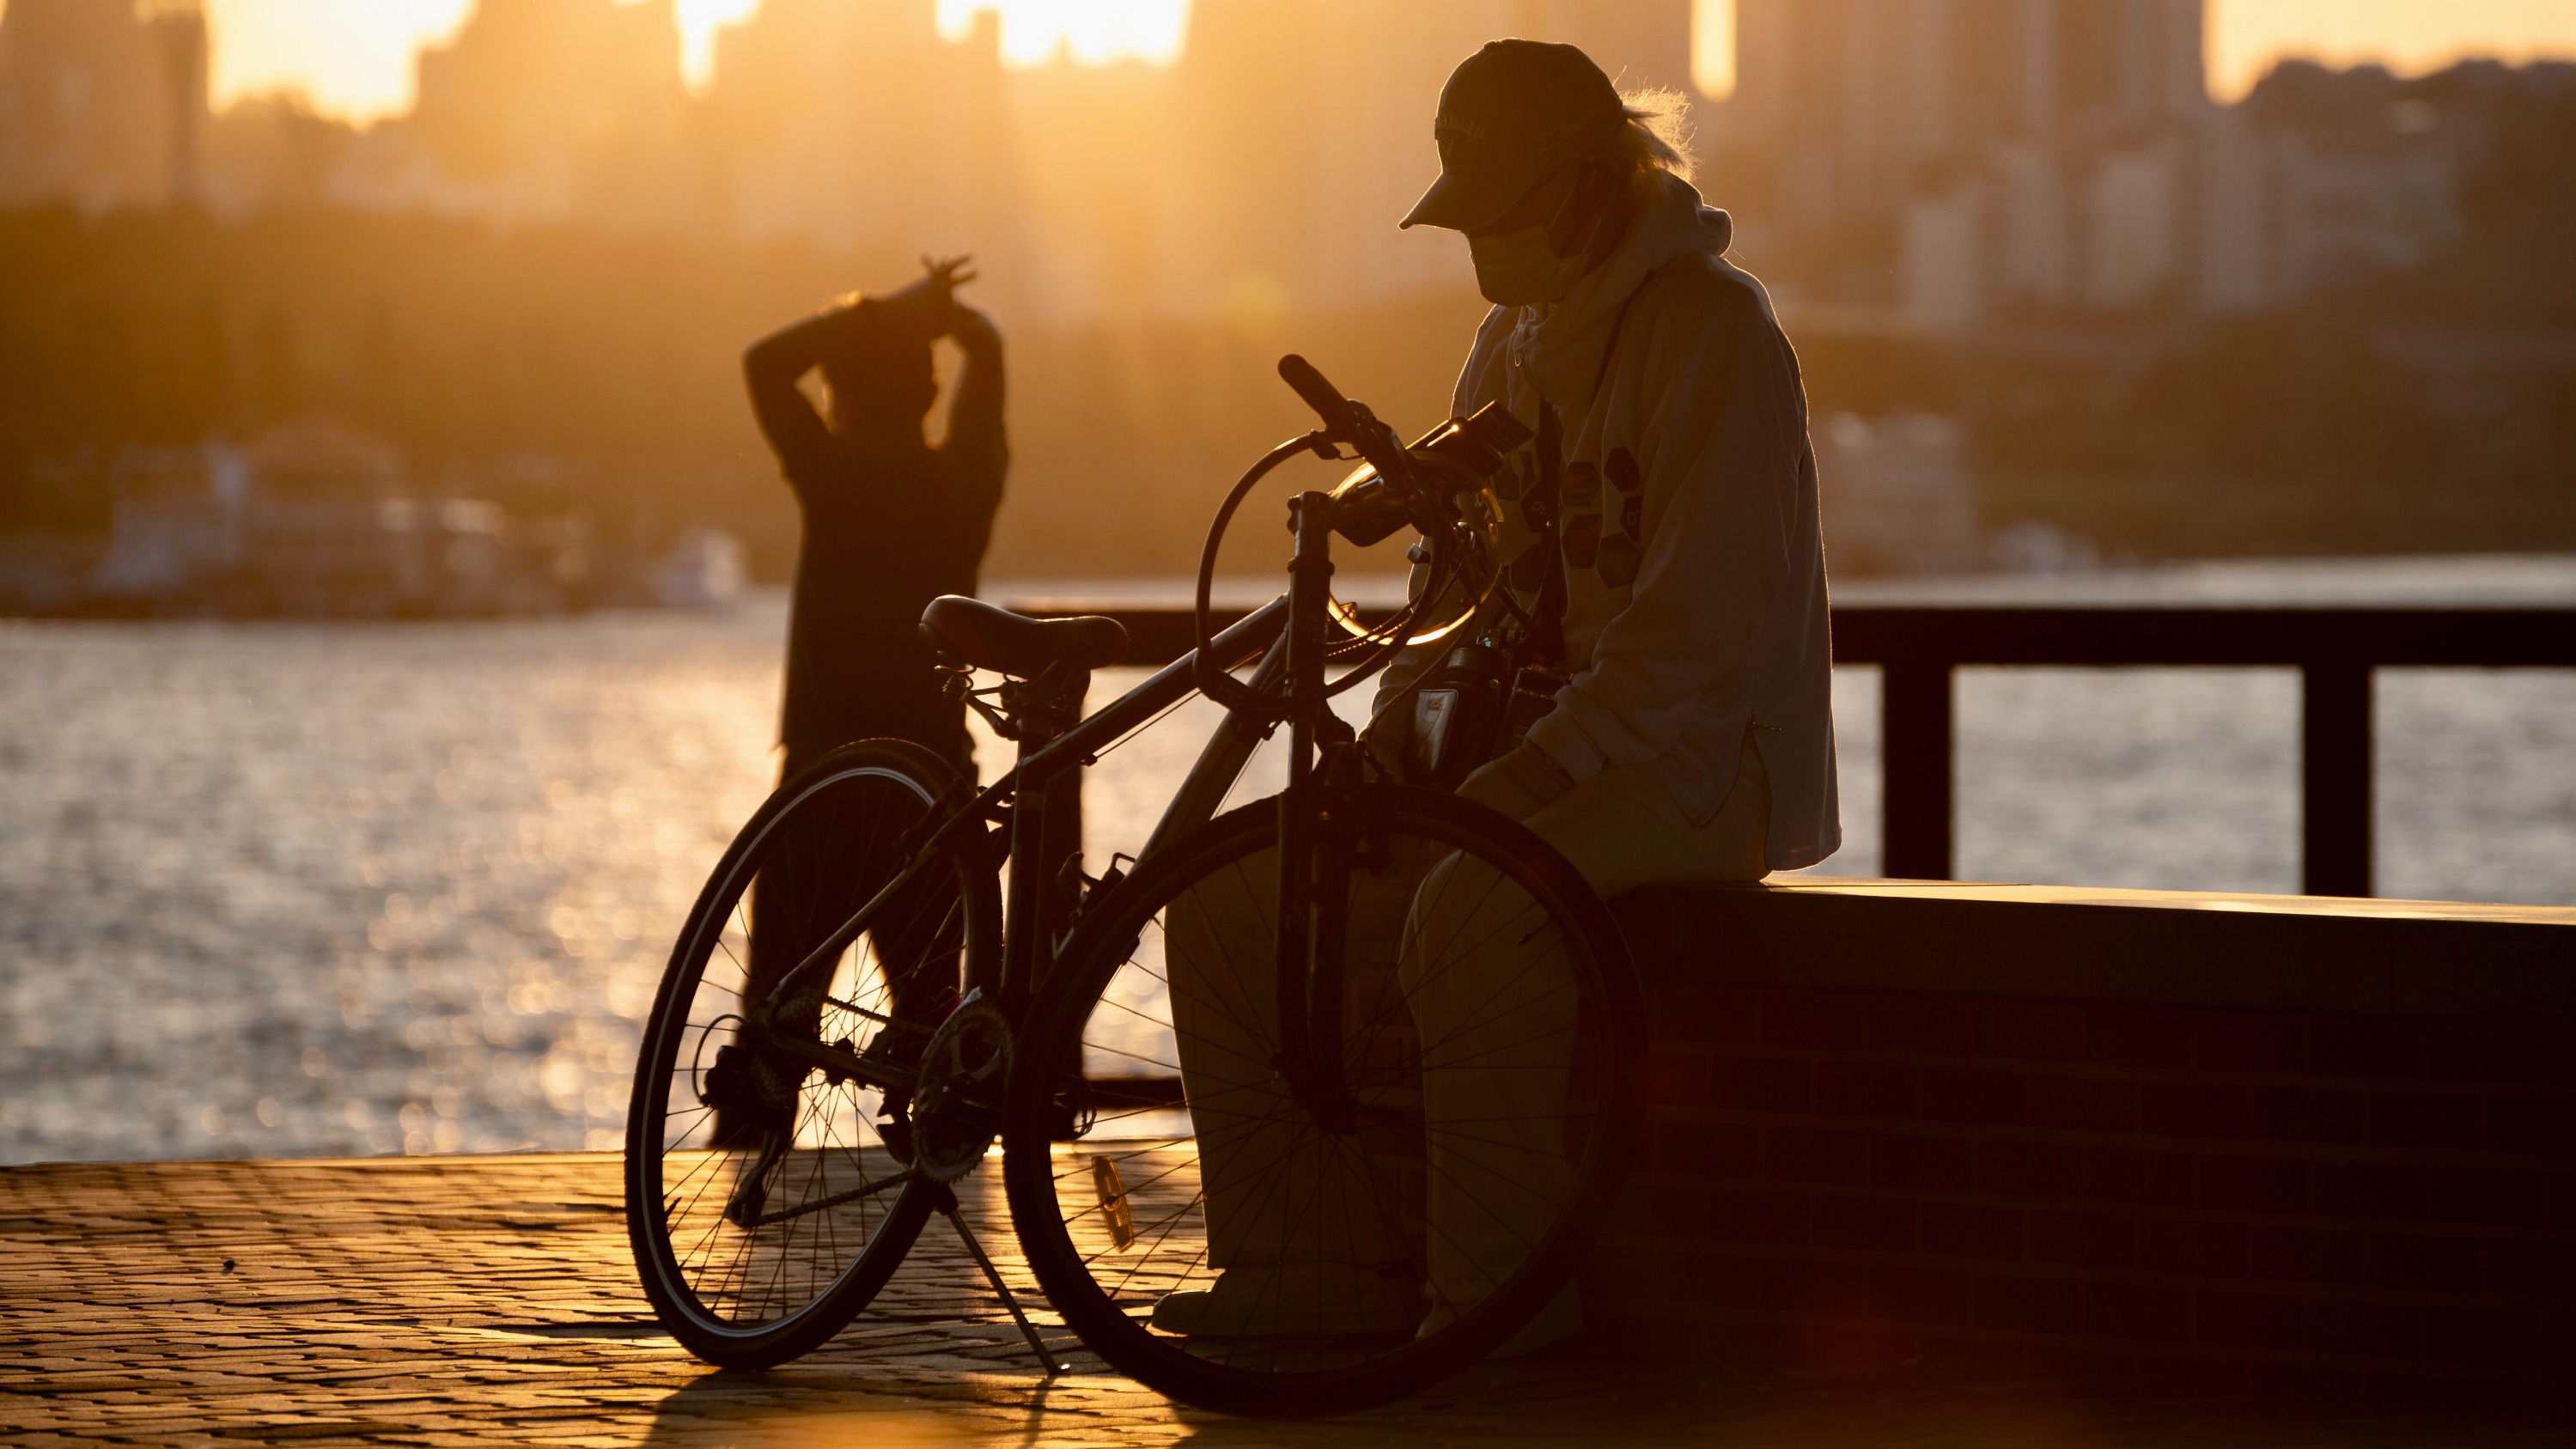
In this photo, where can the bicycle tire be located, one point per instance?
(1330, 1359)
(818, 848)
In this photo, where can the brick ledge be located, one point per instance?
(2189, 948)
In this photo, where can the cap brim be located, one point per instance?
(1460, 206)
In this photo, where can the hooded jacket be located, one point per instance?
(1693, 554)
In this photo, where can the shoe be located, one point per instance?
(1561, 1319)
(1190, 1313)
(1247, 1308)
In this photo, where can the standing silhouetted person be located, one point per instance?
(890, 521)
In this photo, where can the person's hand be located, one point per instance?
(1520, 784)
(927, 305)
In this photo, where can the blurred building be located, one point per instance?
(1956, 162)
(1945, 164)
(1952, 159)
(102, 102)
(544, 110)
(1259, 174)
(853, 123)
(2327, 179)
(275, 150)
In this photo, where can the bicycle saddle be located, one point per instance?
(997, 639)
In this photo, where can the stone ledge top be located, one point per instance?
(2183, 948)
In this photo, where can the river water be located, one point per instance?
(278, 889)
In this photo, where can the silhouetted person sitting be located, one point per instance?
(890, 522)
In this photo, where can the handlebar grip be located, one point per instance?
(1322, 396)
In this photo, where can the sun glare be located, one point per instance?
(699, 20)
(2409, 36)
(354, 58)
(1093, 32)
(350, 59)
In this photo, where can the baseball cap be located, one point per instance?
(1510, 116)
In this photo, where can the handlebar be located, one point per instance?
(1394, 490)
(1340, 421)
(1346, 421)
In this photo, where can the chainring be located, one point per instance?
(956, 1111)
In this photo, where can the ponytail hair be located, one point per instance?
(1658, 134)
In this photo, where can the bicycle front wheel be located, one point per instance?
(1322, 1216)
(768, 1198)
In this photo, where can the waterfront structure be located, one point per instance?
(317, 519)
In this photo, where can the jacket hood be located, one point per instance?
(1561, 346)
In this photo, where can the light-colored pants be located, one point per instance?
(1300, 1221)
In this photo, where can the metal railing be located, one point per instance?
(1919, 650)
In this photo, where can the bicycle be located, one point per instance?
(1318, 1104)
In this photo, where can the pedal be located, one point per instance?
(1114, 1212)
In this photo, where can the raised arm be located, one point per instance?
(771, 367)
(977, 448)
(975, 417)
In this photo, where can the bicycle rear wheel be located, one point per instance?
(1346, 1240)
(767, 1199)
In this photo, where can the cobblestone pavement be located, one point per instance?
(489, 1300)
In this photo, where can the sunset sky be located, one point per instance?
(353, 57)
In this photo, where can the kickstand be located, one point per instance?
(993, 1276)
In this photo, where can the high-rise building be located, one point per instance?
(854, 123)
(1951, 156)
(555, 110)
(1261, 172)
(102, 102)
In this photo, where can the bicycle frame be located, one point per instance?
(1025, 947)
(1290, 633)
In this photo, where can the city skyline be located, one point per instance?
(359, 62)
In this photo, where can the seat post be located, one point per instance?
(1024, 932)
(1046, 834)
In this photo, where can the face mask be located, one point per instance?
(1518, 269)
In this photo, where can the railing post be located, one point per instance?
(1914, 744)
(2335, 765)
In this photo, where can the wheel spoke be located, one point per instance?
(1475, 1004)
(750, 1293)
